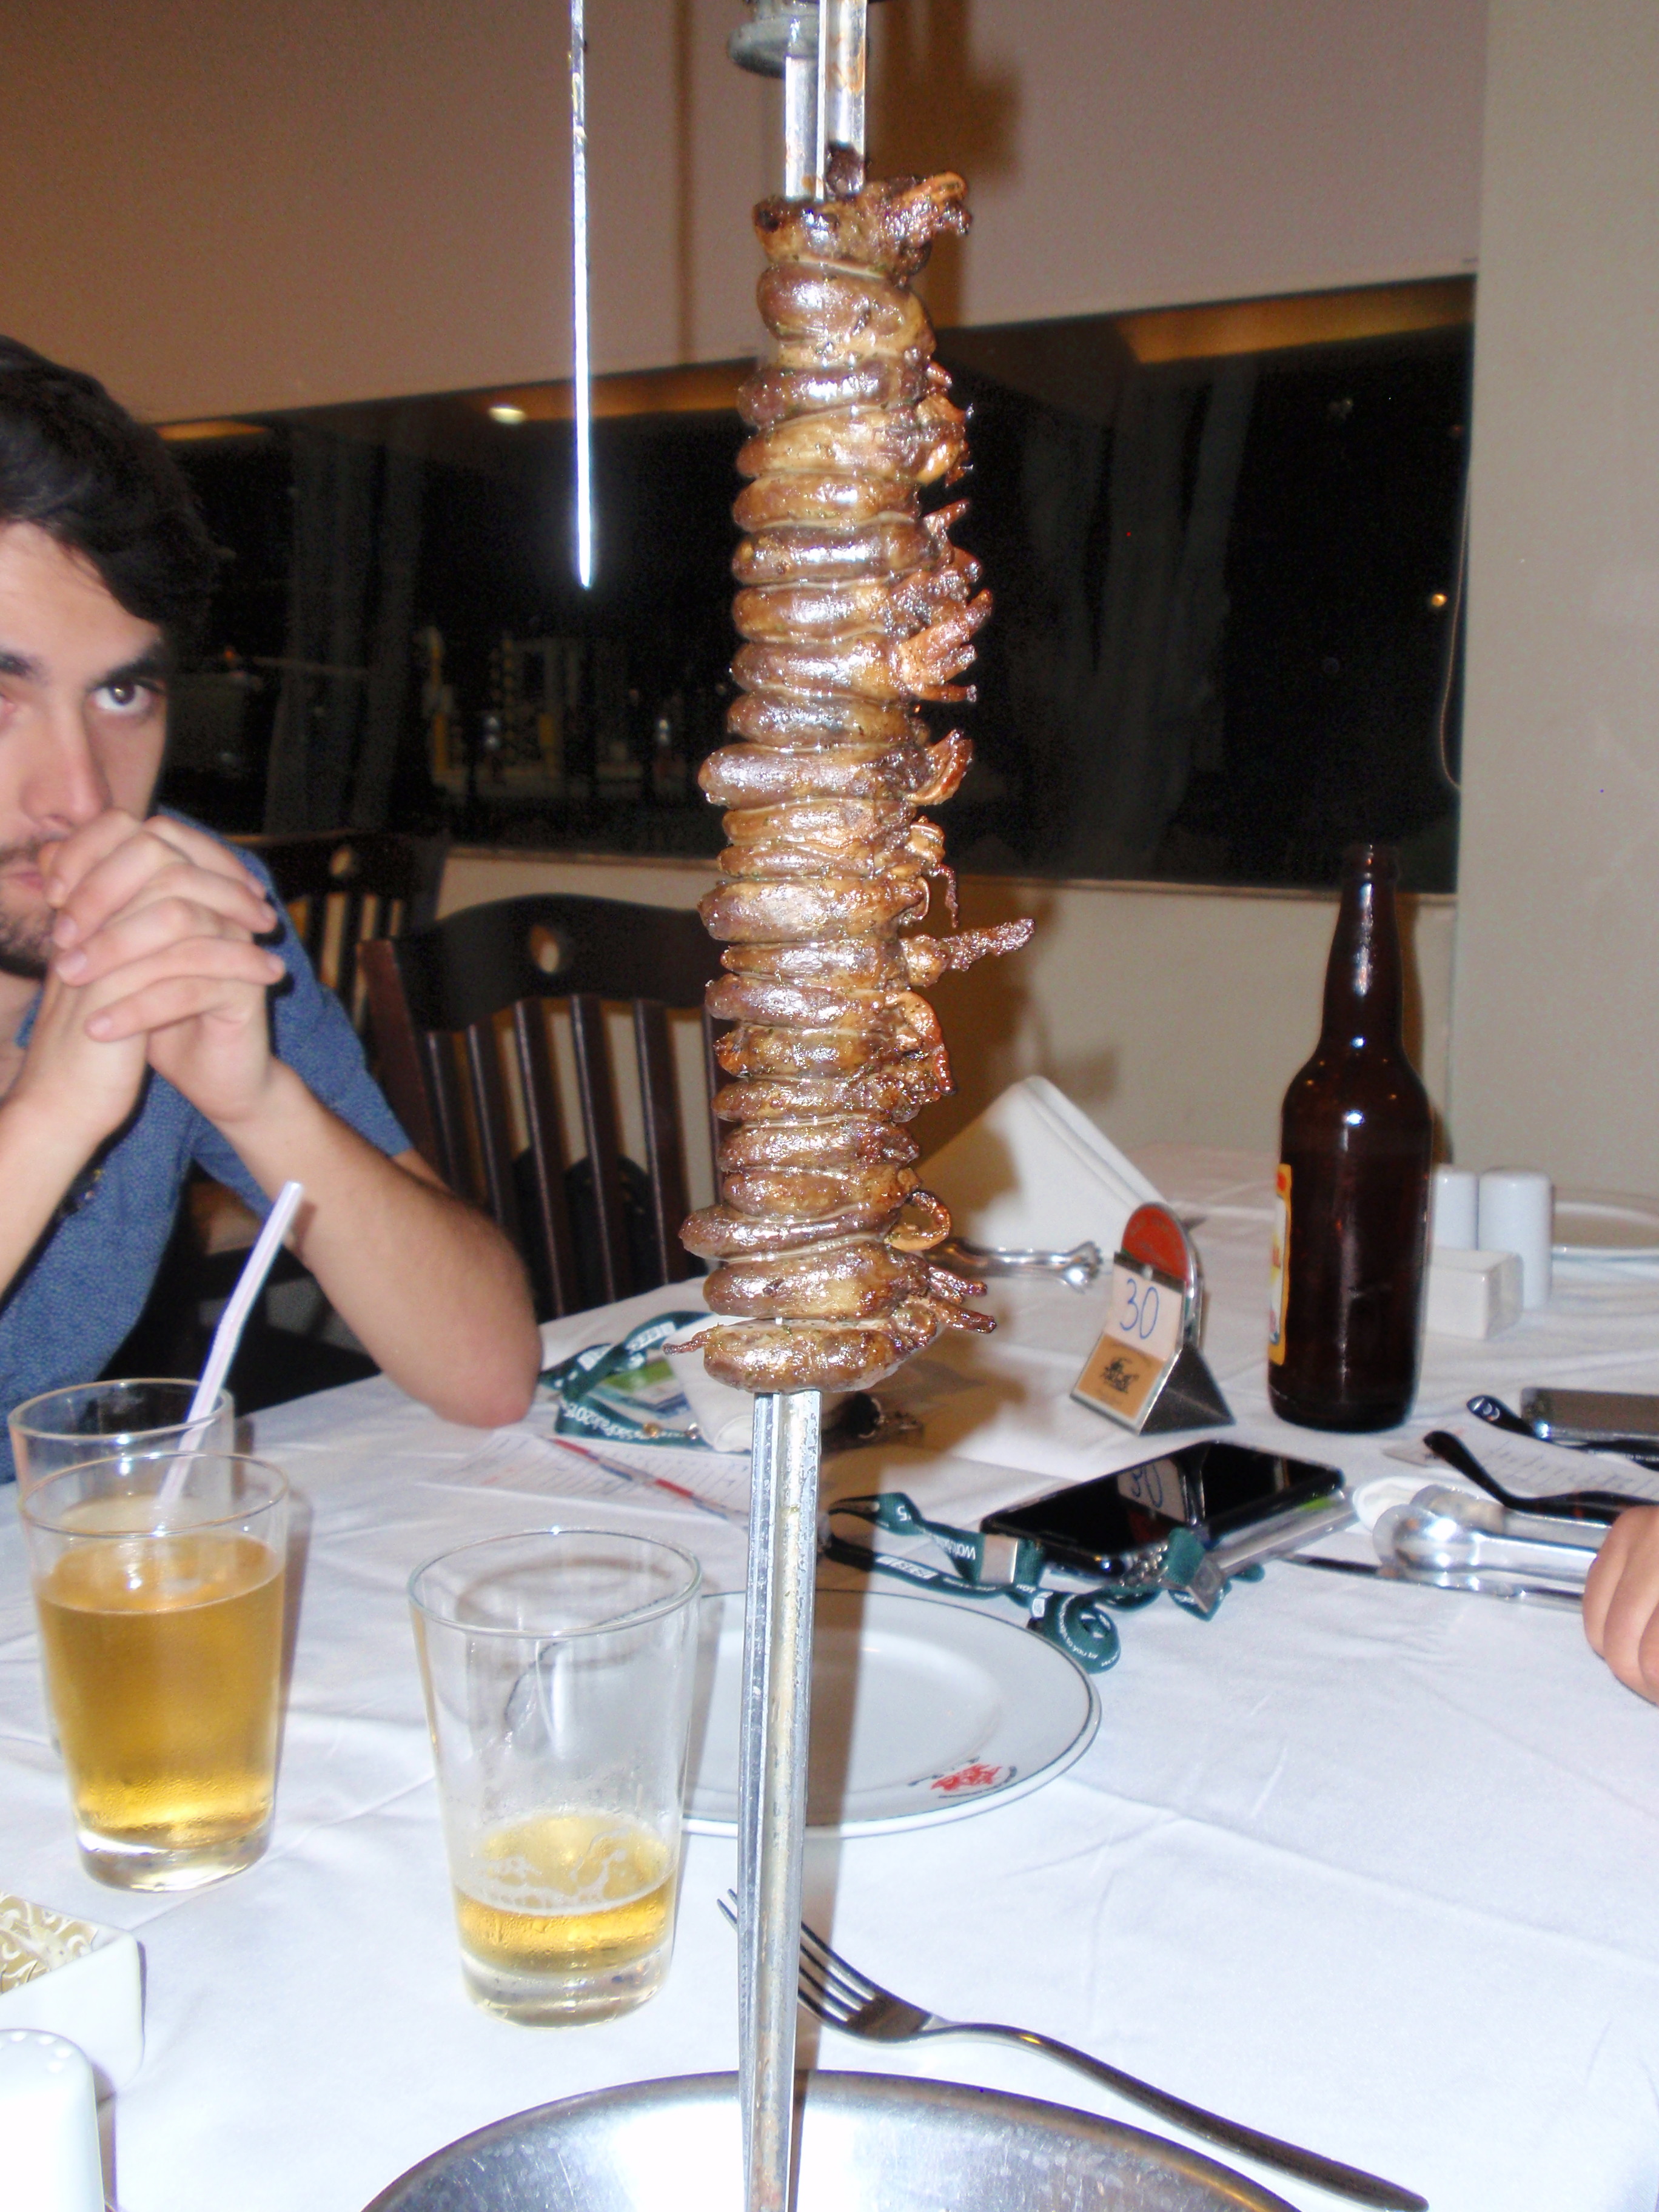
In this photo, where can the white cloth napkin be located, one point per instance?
(1034, 1173)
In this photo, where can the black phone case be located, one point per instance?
(1130, 1534)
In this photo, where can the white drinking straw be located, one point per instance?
(232, 1322)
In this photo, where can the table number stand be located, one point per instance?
(1146, 1371)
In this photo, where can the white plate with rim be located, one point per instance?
(922, 1711)
(1605, 1224)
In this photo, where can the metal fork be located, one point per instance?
(844, 1999)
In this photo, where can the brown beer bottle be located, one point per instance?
(1351, 1217)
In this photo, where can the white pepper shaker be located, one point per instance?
(1517, 1214)
(1452, 1210)
(48, 2125)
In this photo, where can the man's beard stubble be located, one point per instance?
(25, 940)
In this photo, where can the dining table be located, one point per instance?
(1369, 1866)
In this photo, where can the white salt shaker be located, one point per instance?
(1517, 1214)
(48, 2125)
(1452, 1213)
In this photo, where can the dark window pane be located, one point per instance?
(1225, 567)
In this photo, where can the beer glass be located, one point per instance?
(558, 1670)
(106, 1420)
(160, 1610)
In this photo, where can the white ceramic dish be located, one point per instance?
(922, 1711)
(1605, 1224)
(93, 1994)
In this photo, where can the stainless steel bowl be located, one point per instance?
(869, 2143)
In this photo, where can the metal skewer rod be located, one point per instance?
(801, 126)
(842, 49)
(777, 1684)
(582, 372)
(777, 1655)
(777, 1638)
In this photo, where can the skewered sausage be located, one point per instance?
(854, 605)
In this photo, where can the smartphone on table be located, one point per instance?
(1113, 1525)
(1614, 1420)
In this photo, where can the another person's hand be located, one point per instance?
(1621, 1600)
(155, 931)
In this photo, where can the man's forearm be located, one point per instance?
(434, 1291)
(41, 1153)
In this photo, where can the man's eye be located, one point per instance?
(131, 697)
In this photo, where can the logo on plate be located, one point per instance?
(971, 1780)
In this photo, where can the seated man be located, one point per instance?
(1621, 1600)
(146, 1021)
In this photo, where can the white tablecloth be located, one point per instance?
(1373, 1868)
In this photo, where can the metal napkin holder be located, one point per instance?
(1079, 1269)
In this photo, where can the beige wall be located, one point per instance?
(1164, 1013)
(253, 203)
(1555, 1057)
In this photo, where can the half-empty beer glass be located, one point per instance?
(558, 1669)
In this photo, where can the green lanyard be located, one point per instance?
(626, 1393)
(1079, 1621)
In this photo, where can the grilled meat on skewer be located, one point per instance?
(854, 605)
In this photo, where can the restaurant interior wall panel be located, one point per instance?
(249, 204)
(1164, 1013)
(1555, 1057)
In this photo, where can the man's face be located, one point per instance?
(82, 721)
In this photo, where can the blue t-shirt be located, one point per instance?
(68, 1310)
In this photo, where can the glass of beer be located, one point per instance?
(158, 1580)
(107, 1420)
(558, 1669)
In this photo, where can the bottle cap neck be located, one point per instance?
(1379, 864)
(1364, 982)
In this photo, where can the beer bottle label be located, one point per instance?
(1278, 1275)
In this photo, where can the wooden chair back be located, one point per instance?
(342, 886)
(436, 995)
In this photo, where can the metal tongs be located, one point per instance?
(1447, 1538)
(1076, 1268)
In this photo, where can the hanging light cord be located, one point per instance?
(579, 287)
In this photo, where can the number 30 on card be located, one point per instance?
(1145, 1326)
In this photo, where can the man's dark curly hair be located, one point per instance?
(79, 467)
